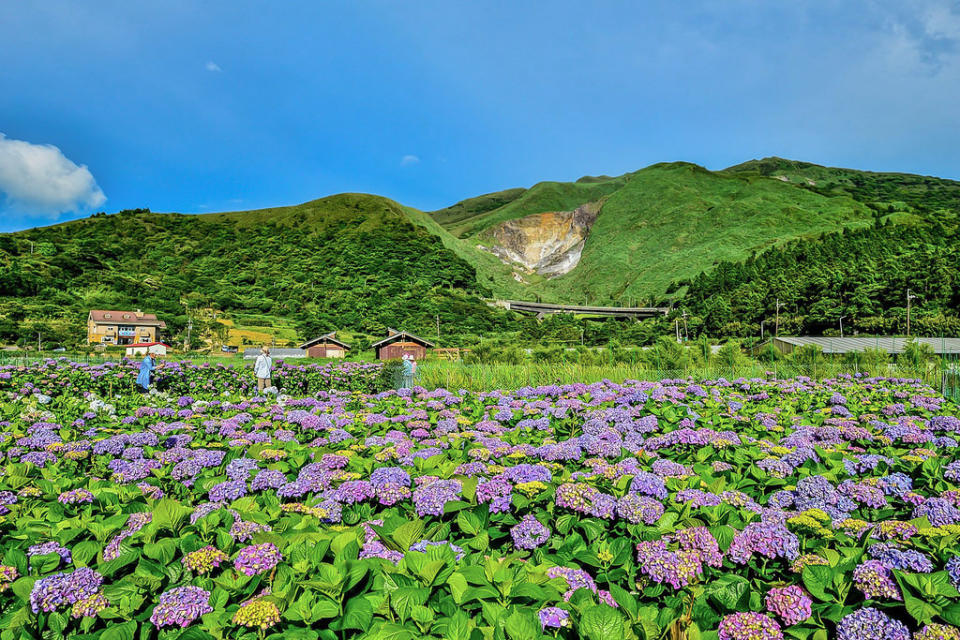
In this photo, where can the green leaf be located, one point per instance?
(458, 586)
(521, 625)
(404, 599)
(123, 631)
(408, 533)
(816, 578)
(729, 590)
(468, 522)
(57, 622)
(951, 614)
(22, 587)
(323, 609)
(458, 626)
(624, 598)
(163, 551)
(602, 622)
(391, 631)
(170, 514)
(194, 633)
(358, 614)
(421, 615)
(921, 610)
(46, 563)
(84, 552)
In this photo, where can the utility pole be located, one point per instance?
(841, 326)
(686, 336)
(186, 347)
(910, 297)
(761, 330)
(676, 324)
(776, 332)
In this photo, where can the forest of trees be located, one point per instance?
(355, 273)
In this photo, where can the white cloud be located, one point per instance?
(408, 160)
(39, 178)
(212, 66)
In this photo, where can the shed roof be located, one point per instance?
(148, 344)
(327, 337)
(399, 335)
(110, 316)
(890, 344)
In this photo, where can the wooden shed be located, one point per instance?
(326, 346)
(401, 343)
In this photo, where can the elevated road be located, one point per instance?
(543, 308)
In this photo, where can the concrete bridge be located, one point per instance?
(541, 309)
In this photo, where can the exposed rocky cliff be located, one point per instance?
(548, 243)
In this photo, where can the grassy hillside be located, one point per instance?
(350, 261)
(470, 217)
(722, 244)
(861, 275)
(666, 222)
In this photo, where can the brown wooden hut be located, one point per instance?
(400, 343)
(326, 346)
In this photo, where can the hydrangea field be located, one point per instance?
(55, 377)
(731, 510)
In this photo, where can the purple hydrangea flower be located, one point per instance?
(257, 558)
(869, 623)
(553, 618)
(181, 607)
(59, 589)
(529, 533)
(790, 603)
(749, 625)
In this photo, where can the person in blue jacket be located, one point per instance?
(147, 366)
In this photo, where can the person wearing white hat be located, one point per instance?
(407, 371)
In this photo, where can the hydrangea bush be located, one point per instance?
(722, 510)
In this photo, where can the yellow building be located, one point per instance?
(122, 327)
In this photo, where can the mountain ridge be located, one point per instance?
(656, 232)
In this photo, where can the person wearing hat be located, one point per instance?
(407, 371)
(262, 369)
(147, 365)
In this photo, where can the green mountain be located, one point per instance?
(721, 245)
(349, 261)
(666, 222)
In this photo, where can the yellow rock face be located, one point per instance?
(549, 243)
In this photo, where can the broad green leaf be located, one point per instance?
(458, 626)
(122, 631)
(403, 600)
(357, 615)
(816, 578)
(601, 622)
(408, 533)
(323, 609)
(921, 610)
(521, 624)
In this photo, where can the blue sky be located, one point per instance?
(224, 105)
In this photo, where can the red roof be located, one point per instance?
(109, 316)
(148, 344)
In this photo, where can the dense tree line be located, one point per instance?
(360, 272)
(861, 275)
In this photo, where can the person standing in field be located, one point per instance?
(407, 371)
(147, 366)
(262, 369)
